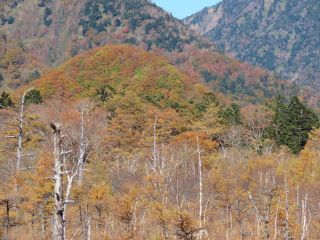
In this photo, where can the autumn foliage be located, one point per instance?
(144, 128)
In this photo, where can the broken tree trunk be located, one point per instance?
(20, 133)
(58, 224)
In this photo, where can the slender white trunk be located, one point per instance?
(258, 215)
(155, 147)
(82, 149)
(134, 228)
(305, 221)
(66, 198)
(43, 221)
(298, 204)
(58, 224)
(228, 227)
(89, 230)
(287, 234)
(20, 133)
(276, 221)
(205, 212)
(200, 186)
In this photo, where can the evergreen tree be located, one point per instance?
(105, 92)
(206, 101)
(5, 100)
(303, 120)
(34, 97)
(291, 123)
(278, 128)
(231, 115)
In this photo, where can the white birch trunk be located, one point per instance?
(20, 133)
(305, 220)
(200, 187)
(58, 221)
(287, 234)
(89, 230)
(155, 148)
(276, 221)
(62, 194)
(82, 150)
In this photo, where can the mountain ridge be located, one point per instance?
(56, 30)
(35, 41)
(279, 36)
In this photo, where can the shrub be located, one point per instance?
(35, 74)
(1, 78)
(47, 19)
(10, 19)
(105, 92)
(5, 100)
(33, 97)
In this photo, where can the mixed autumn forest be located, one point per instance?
(165, 140)
(119, 144)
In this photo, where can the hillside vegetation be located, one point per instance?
(55, 30)
(31, 42)
(117, 143)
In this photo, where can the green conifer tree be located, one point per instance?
(34, 97)
(231, 115)
(291, 123)
(5, 100)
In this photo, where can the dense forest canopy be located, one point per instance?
(117, 143)
(119, 122)
(55, 31)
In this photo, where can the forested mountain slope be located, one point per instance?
(36, 35)
(117, 143)
(278, 35)
(112, 141)
(49, 32)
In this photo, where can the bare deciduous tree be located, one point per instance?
(62, 168)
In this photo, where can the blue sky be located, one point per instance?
(184, 8)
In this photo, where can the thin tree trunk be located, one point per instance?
(20, 134)
(58, 224)
(82, 150)
(155, 147)
(258, 216)
(287, 234)
(276, 221)
(200, 186)
(82, 222)
(89, 229)
(7, 223)
(298, 204)
(305, 222)
(85, 222)
(43, 221)
(66, 198)
(228, 226)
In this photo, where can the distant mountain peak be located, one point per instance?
(278, 35)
